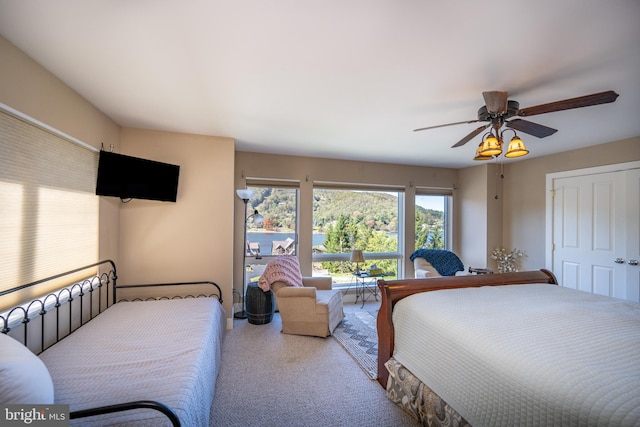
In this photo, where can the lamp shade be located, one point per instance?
(480, 156)
(516, 148)
(244, 194)
(491, 147)
(256, 217)
(357, 256)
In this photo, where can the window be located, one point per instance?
(48, 206)
(348, 219)
(277, 233)
(431, 221)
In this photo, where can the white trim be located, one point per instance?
(46, 127)
(345, 256)
(616, 167)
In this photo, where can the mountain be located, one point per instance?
(375, 209)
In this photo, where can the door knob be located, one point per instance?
(619, 261)
(632, 262)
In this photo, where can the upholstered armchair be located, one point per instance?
(314, 309)
(307, 305)
(423, 268)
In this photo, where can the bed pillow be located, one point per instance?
(24, 379)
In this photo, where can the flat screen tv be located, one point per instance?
(130, 177)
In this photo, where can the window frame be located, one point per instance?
(252, 184)
(398, 256)
(447, 212)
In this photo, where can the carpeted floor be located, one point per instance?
(268, 378)
(357, 334)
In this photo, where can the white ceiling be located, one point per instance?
(341, 79)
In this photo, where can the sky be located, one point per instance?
(431, 202)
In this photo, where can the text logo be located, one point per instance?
(34, 415)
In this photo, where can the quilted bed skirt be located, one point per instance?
(412, 395)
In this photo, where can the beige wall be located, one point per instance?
(482, 222)
(190, 240)
(207, 207)
(525, 198)
(478, 214)
(149, 241)
(306, 171)
(517, 218)
(27, 87)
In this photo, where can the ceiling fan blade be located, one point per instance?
(469, 137)
(568, 104)
(531, 128)
(496, 101)
(448, 124)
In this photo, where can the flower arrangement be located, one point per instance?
(507, 260)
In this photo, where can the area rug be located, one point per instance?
(357, 334)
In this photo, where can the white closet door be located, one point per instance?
(595, 232)
(633, 234)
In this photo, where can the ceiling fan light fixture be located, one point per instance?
(516, 148)
(498, 109)
(491, 146)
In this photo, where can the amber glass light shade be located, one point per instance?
(480, 156)
(516, 148)
(491, 147)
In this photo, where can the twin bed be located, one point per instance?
(508, 349)
(130, 363)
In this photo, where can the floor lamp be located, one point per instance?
(245, 195)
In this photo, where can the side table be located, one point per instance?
(366, 285)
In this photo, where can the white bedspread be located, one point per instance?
(167, 350)
(525, 354)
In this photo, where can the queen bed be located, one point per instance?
(508, 349)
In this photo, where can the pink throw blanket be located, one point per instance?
(285, 268)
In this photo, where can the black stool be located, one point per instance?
(259, 306)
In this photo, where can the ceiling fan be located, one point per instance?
(498, 109)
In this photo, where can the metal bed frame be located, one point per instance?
(95, 289)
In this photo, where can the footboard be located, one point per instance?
(394, 290)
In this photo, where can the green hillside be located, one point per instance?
(377, 211)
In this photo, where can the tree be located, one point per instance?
(422, 231)
(337, 240)
(268, 224)
(436, 238)
(381, 242)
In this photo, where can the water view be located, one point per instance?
(265, 239)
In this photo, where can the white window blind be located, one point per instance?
(48, 206)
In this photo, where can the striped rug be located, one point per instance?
(357, 334)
